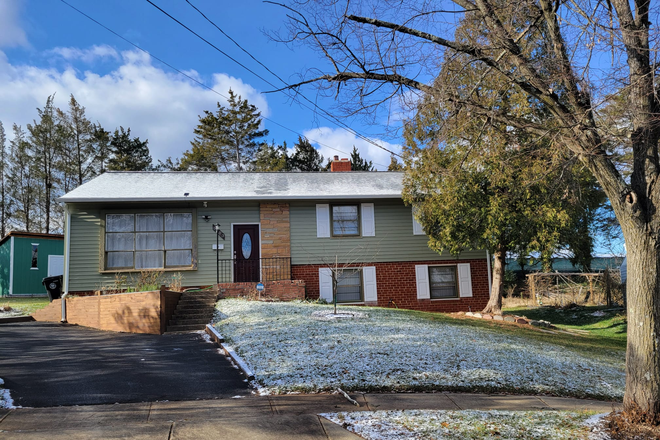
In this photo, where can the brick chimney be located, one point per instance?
(340, 165)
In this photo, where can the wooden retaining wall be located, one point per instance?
(139, 312)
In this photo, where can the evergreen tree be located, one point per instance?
(4, 198)
(22, 181)
(102, 148)
(394, 165)
(47, 142)
(305, 157)
(168, 165)
(128, 154)
(359, 164)
(81, 150)
(271, 157)
(227, 139)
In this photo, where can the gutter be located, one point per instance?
(282, 197)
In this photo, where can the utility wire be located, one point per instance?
(196, 81)
(329, 116)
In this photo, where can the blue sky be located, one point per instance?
(46, 47)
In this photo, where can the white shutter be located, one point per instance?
(325, 284)
(464, 280)
(368, 220)
(369, 281)
(423, 286)
(417, 228)
(55, 265)
(323, 220)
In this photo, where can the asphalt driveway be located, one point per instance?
(48, 364)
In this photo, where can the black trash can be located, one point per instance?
(53, 287)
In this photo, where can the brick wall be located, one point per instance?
(283, 290)
(275, 239)
(140, 312)
(397, 282)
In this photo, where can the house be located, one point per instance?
(26, 258)
(288, 227)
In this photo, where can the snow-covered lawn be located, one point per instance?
(289, 351)
(463, 425)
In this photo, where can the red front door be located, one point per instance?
(246, 253)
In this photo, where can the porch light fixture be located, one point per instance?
(206, 218)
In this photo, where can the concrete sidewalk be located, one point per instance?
(262, 418)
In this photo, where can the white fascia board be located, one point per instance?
(214, 199)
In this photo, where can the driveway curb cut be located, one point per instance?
(218, 339)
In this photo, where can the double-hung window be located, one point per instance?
(349, 286)
(155, 240)
(345, 220)
(443, 282)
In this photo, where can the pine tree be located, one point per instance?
(360, 164)
(271, 157)
(4, 198)
(47, 142)
(102, 148)
(305, 157)
(394, 165)
(128, 154)
(227, 139)
(80, 149)
(22, 181)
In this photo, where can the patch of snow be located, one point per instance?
(288, 351)
(437, 424)
(598, 313)
(5, 398)
(596, 425)
(329, 315)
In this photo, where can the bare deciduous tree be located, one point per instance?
(591, 52)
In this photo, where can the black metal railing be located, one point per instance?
(254, 270)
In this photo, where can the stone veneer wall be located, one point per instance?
(275, 239)
(397, 282)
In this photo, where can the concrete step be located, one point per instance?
(185, 328)
(189, 321)
(193, 307)
(192, 314)
(196, 301)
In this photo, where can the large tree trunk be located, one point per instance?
(494, 305)
(642, 356)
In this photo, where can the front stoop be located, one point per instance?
(193, 312)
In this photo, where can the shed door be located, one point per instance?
(246, 253)
(55, 265)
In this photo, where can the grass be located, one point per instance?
(25, 305)
(607, 331)
(403, 350)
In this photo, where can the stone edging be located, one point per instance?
(218, 339)
(511, 319)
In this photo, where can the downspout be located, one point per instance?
(67, 252)
(490, 279)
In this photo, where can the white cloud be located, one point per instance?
(86, 55)
(11, 33)
(325, 137)
(157, 105)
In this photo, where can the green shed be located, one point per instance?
(26, 258)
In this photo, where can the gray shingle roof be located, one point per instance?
(206, 186)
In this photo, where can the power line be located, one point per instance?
(196, 81)
(329, 116)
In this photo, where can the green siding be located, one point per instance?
(85, 259)
(5, 252)
(394, 240)
(27, 281)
